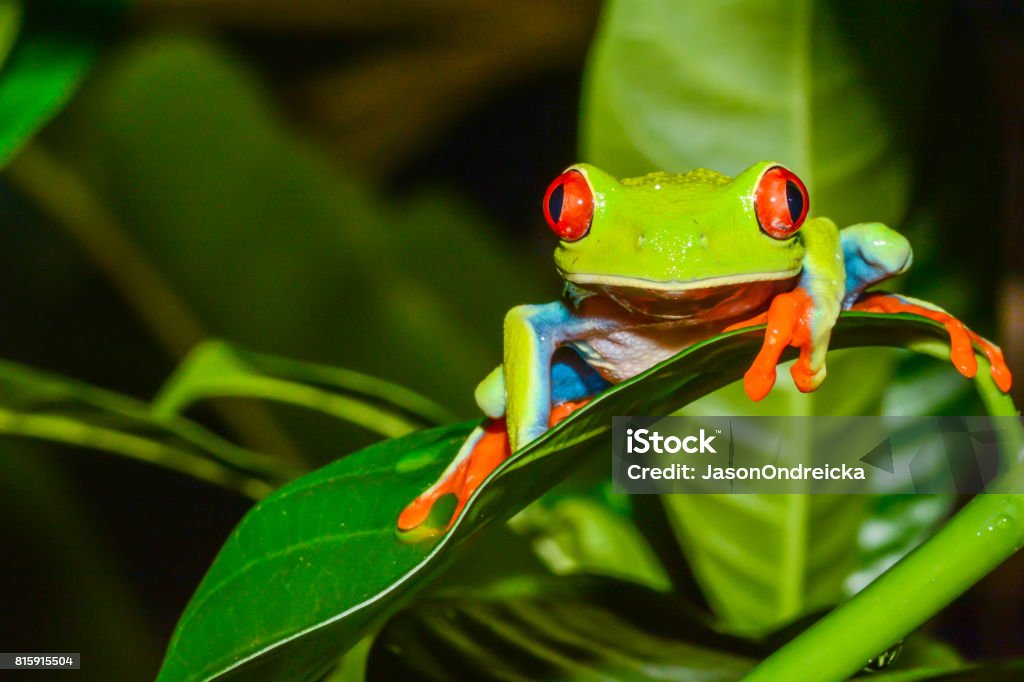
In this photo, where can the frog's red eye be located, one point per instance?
(780, 202)
(569, 206)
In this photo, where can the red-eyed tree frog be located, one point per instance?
(657, 263)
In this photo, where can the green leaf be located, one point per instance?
(11, 13)
(674, 86)
(303, 575)
(311, 568)
(34, 404)
(766, 559)
(216, 369)
(41, 71)
(580, 534)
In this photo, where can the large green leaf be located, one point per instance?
(312, 567)
(581, 533)
(766, 559)
(674, 86)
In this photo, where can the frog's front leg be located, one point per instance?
(802, 318)
(532, 333)
(873, 252)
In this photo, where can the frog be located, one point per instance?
(654, 264)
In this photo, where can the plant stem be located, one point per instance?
(70, 431)
(984, 534)
(987, 531)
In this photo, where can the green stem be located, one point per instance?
(984, 534)
(975, 541)
(370, 417)
(216, 370)
(72, 432)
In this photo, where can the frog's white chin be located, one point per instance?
(674, 286)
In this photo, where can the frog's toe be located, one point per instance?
(483, 451)
(962, 340)
(758, 382)
(1000, 371)
(788, 321)
(806, 377)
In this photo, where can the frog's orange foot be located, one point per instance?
(462, 480)
(789, 324)
(961, 339)
(490, 450)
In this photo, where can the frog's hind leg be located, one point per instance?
(961, 339)
(572, 382)
(872, 252)
(484, 449)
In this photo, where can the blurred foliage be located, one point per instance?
(436, 61)
(362, 268)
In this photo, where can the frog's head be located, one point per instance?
(698, 245)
